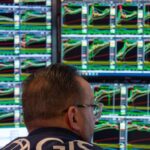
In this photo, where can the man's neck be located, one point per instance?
(55, 122)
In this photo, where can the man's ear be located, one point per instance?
(73, 118)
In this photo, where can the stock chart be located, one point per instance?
(107, 40)
(114, 36)
(25, 46)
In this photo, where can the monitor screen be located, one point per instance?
(125, 120)
(106, 37)
(25, 46)
(109, 43)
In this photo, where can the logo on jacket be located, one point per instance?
(56, 144)
(22, 144)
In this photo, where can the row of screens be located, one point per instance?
(25, 18)
(114, 134)
(107, 54)
(26, 2)
(105, 18)
(25, 43)
(25, 46)
(124, 99)
(118, 99)
(110, 133)
(90, 54)
(18, 68)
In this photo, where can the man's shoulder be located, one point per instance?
(18, 143)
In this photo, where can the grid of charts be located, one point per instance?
(25, 46)
(111, 38)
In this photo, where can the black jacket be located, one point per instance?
(50, 139)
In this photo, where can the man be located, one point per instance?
(59, 111)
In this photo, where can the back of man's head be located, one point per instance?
(49, 91)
